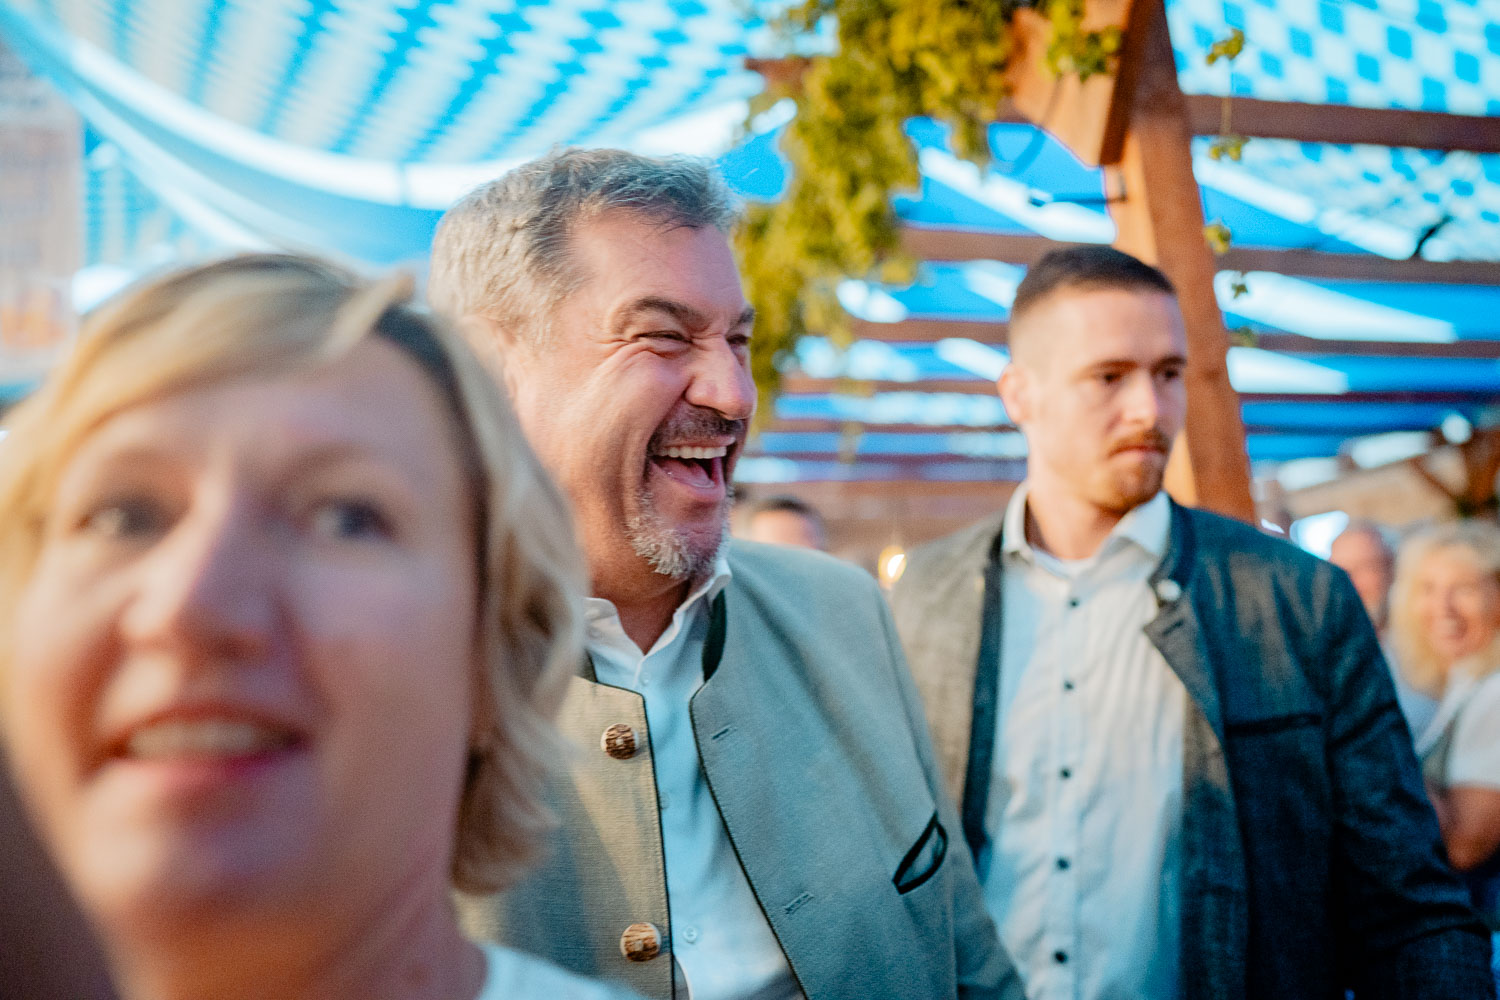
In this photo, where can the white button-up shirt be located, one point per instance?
(722, 942)
(1085, 807)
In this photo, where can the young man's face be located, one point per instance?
(1096, 385)
(639, 400)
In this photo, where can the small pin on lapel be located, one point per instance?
(1168, 590)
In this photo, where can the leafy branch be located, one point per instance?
(849, 153)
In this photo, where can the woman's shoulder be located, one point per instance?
(514, 975)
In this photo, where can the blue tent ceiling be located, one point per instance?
(345, 126)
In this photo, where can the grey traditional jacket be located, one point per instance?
(814, 747)
(1312, 861)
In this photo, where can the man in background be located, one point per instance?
(1180, 761)
(1363, 551)
(783, 520)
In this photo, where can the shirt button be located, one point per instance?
(1066, 772)
(640, 942)
(618, 741)
(663, 800)
(645, 681)
(690, 935)
(1060, 957)
(1062, 864)
(1072, 602)
(1067, 685)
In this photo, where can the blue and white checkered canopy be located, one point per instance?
(347, 126)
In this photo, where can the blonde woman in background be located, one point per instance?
(278, 653)
(1446, 620)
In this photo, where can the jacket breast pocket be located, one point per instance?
(924, 858)
(1275, 724)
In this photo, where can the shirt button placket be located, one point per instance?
(1070, 797)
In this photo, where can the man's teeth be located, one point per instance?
(204, 738)
(693, 453)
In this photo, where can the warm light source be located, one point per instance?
(890, 564)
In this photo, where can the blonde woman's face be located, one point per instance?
(241, 688)
(1458, 604)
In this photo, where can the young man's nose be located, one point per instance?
(1143, 400)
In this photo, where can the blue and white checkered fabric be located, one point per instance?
(1436, 55)
(427, 80)
(1417, 54)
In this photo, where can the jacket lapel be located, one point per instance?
(1215, 907)
(939, 613)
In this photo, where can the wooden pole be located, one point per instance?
(1159, 218)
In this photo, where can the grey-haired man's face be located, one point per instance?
(639, 400)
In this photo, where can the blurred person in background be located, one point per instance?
(1174, 737)
(752, 809)
(278, 653)
(1446, 619)
(783, 520)
(1363, 551)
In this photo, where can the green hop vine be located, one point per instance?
(849, 153)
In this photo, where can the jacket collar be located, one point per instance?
(1177, 631)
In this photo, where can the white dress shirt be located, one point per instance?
(1084, 817)
(723, 945)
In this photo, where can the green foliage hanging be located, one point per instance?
(849, 153)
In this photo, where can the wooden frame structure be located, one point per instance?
(1138, 126)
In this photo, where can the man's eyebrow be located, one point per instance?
(683, 313)
(693, 319)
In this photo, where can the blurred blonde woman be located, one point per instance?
(287, 603)
(1446, 620)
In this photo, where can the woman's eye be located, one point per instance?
(351, 520)
(133, 517)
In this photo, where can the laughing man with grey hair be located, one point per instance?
(752, 807)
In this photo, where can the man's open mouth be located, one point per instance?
(698, 466)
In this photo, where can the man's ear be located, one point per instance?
(496, 347)
(1014, 386)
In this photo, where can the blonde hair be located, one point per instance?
(270, 314)
(1418, 662)
(505, 252)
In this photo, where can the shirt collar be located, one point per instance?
(599, 608)
(1147, 525)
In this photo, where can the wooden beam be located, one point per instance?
(995, 334)
(814, 426)
(1087, 116)
(806, 425)
(804, 385)
(1291, 343)
(1160, 220)
(1341, 123)
(1360, 266)
(944, 244)
(930, 330)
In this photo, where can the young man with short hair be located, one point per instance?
(1180, 761)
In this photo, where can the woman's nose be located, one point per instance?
(205, 591)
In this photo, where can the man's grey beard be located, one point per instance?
(665, 550)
